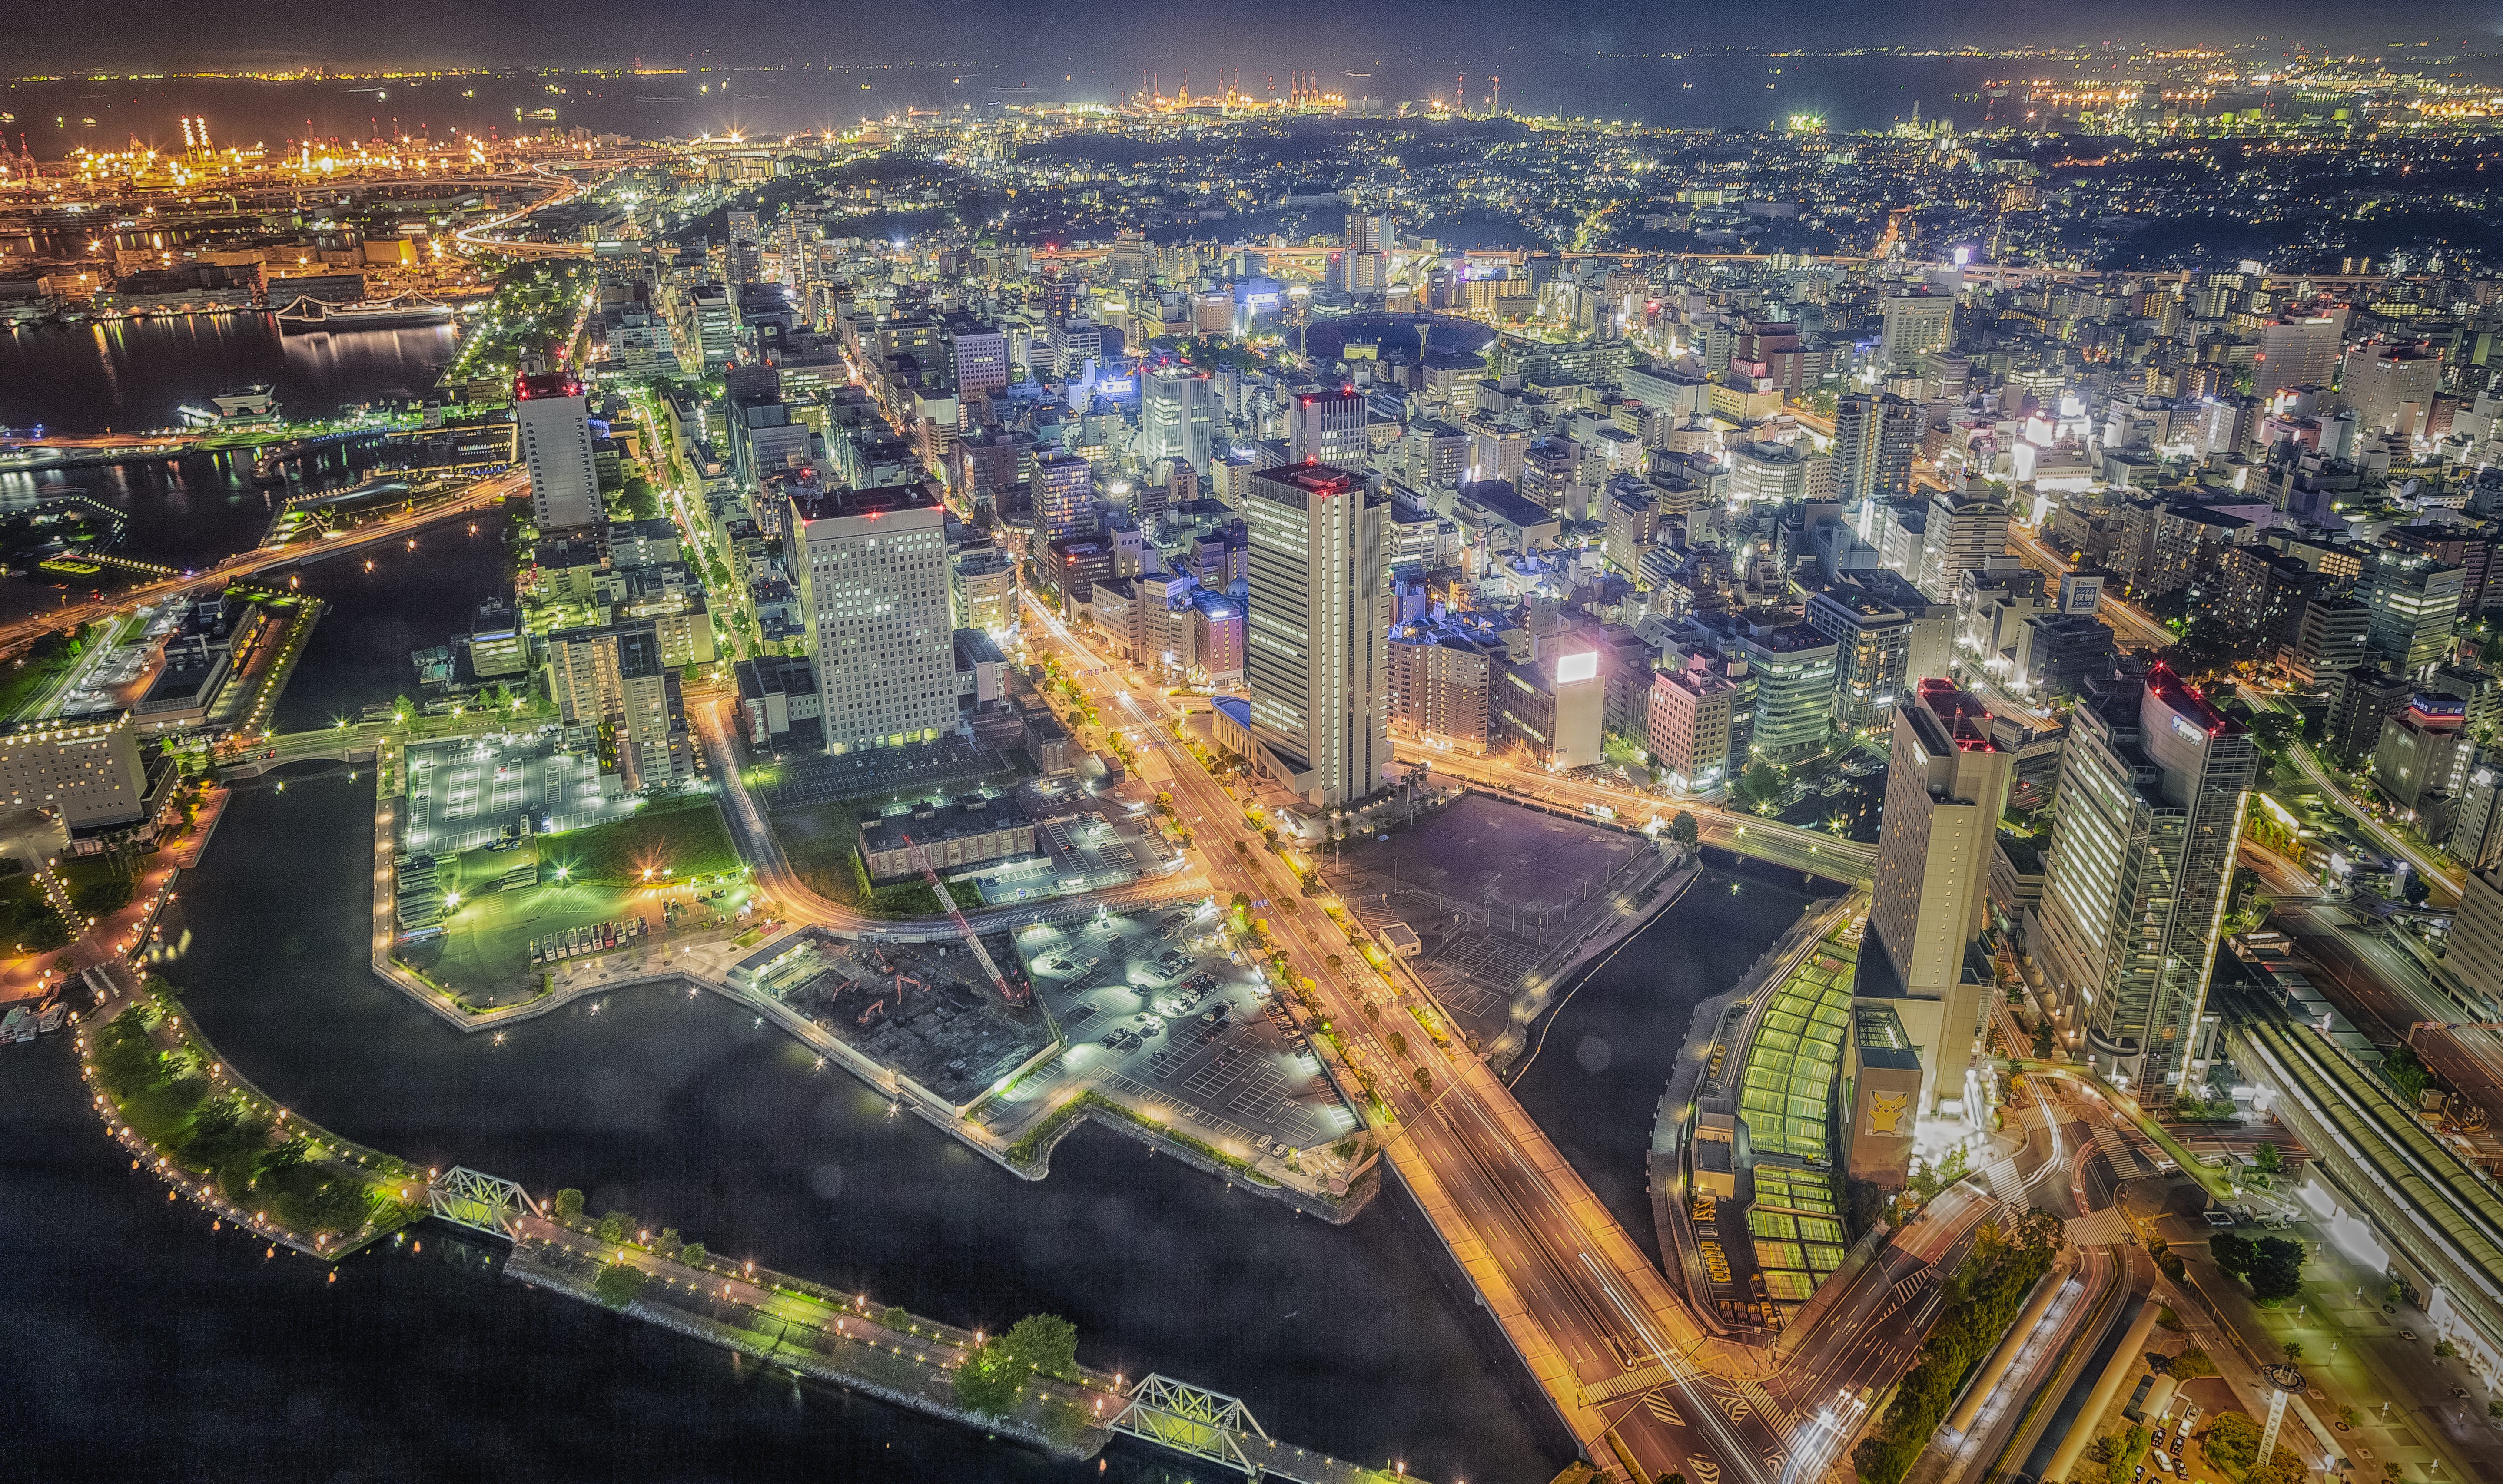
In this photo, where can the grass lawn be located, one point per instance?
(679, 839)
(486, 948)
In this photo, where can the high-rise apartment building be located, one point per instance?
(554, 434)
(746, 242)
(2149, 811)
(1177, 417)
(1368, 251)
(1963, 534)
(1875, 437)
(1327, 427)
(1913, 325)
(871, 570)
(1946, 784)
(614, 679)
(1317, 655)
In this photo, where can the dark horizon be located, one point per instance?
(288, 34)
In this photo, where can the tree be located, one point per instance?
(988, 1379)
(1045, 1343)
(693, 1254)
(2233, 1254)
(2294, 1352)
(2277, 1270)
(1684, 831)
(2266, 1159)
(618, 1285)
(2231, 1443)
(669, 1245)
(2192, 1363)
(569, 1206)
(614, 1225)
(1759, 784)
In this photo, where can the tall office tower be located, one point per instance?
(1873, 439)
(1327, 427)
(871, 570)
(2392, 386)
(2295, 352)
(1965, 531)
(712, 325)
(2413, 603)
(746, 243)
(613, 678)
(1913, 325)
(1318, 658)
(1945, 788)
(555, 433)
(1064, 498)
(2150, 805)
(1177, 417)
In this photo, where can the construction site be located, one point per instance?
(931, 1013)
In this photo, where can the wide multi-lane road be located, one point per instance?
(1642, 1381)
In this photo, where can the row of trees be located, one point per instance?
(1983, 1302)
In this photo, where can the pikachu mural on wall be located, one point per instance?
(1886, 1111)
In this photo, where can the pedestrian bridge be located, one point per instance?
(482, 1203)
(1221, 1429)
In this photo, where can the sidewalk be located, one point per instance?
(2356, 1356)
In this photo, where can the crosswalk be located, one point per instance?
(2122, 1156)
(2098, 1228)
(2004, 1180)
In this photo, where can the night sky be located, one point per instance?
(1526, 36)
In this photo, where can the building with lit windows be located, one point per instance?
(85, 769)
(871, 570)
(1946, 784)
(2149, 812)
(1687, 726)
(554, 430)
(1328, 427)
(1316, 647)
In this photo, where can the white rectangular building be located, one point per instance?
(871, 566)
(554, 430)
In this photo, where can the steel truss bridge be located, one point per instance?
(482, 1203)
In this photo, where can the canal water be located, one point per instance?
(683, 1111)
(1603, 1058)
(130, 375)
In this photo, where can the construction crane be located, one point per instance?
(1011, 991)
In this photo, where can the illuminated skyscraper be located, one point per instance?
(1317, 653)
(554, 430)
(1945, 786)
(2149, 812)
